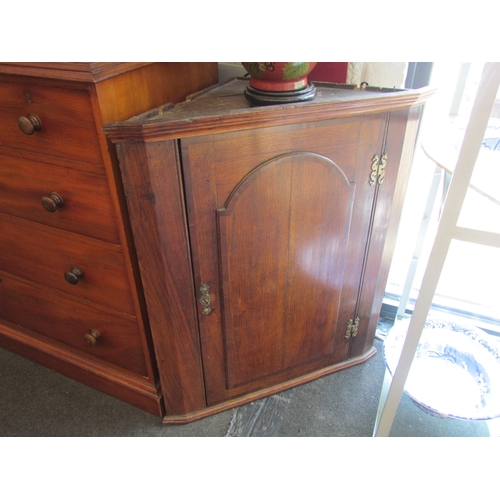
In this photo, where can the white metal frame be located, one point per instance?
(447, 230)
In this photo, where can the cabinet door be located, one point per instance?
(277, 219)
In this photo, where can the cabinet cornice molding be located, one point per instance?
(224, 108)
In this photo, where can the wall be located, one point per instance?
(377, 74)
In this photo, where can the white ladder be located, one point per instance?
(447, 231)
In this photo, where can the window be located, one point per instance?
(469, 283)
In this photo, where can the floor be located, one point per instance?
(35, 401)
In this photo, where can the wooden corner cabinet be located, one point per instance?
(70, 293)
(264, 234)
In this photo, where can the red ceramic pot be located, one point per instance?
(278, 76)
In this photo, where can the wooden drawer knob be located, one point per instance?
(93, 337)
(73, 277)
(52, 202)
(29, 124)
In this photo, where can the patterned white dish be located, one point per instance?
(455, 372)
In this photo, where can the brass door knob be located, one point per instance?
(73, 277)
(52, 202)
(93, 337)
(29, 124)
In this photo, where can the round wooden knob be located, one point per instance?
(93, 337)
(52, 202)
(29, 124)
(73, 277)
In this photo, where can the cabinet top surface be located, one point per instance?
(224, 107)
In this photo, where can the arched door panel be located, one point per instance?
(282, 243)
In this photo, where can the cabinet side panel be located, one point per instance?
(399, 148)
(154, 196)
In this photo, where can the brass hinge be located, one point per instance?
(378, 169)
(205, 300)
(352, 328)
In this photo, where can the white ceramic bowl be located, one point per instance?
(455, 372)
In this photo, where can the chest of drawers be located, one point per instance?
(70, 293)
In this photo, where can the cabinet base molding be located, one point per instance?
(136, 391)
(269, 391)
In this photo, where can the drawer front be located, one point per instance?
(83, 204)
(61, 121)
(44, 255)
(58, 317)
